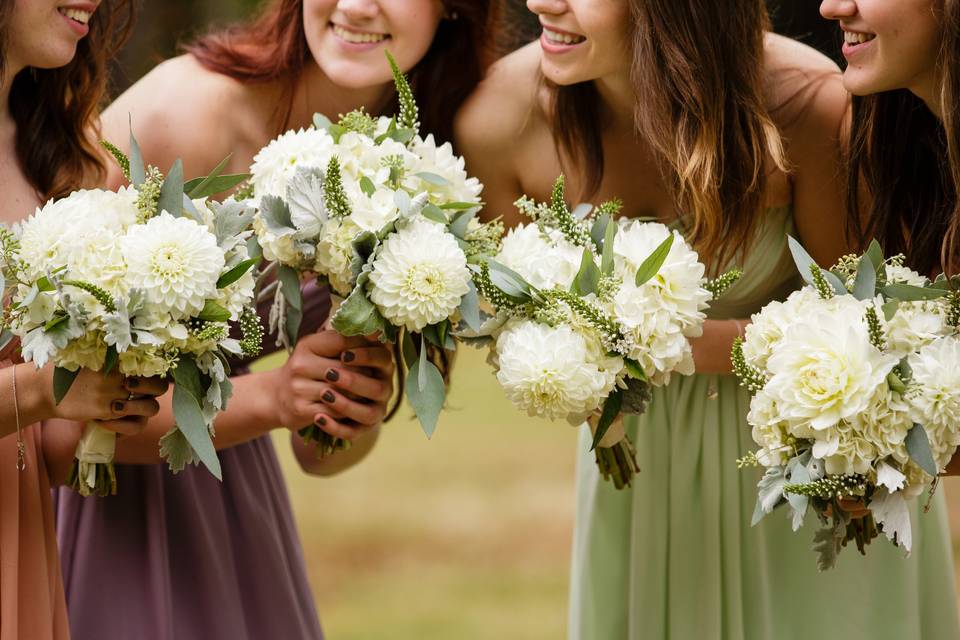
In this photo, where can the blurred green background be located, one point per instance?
(466, 536)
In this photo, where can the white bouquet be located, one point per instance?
(144, 280)
(856, 383)
(591, 313)
(387, 219)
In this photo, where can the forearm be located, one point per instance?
(306, 454)
(250, 413)
(711, 351)
(34, 398)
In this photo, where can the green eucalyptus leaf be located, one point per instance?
(409, 349)
(910, 293)
(588, 277)
(63, 379)
(432, 178)
(509, 281)
(432, 212)
(865, 284)
(611, 409)
(606, 259)
(426, 392)
(918, 446)
(470, 308)
(890, 309)
(212, 186)
(58, 319)
(635, 370)
(599, 230)
(367, 186)
(651, 266)
(461, 222)
(111, 359)
(138, 172)
(171, 192)
(290, 288)
(321, 121)
(190, 185)
(802, 259)
(236, 273)
(186, 376)
(461, 206)
(189, 418)
(213, 312)
(875, 253)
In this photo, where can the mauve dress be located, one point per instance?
(183, 557)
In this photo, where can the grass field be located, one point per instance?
(464, 537)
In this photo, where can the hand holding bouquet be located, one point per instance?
(856, 382)
(142, 280)
(387, 218)
(591, 313)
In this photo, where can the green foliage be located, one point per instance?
(252, 333)
(719, 285)
(359, 121)
(100, 294)
(820, 282)
(484, 240)
(875, 329)
(839, 487)
(148, 194)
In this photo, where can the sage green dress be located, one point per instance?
(675, 558)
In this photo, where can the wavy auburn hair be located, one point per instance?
(55, 110)
(909, 162)
(700, 105)
(273, 46)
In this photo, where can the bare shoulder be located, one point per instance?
(805, 88)
(505, 105)
(182, 110)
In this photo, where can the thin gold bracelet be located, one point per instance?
(21, 449)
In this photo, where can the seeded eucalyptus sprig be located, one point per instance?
(820, 282)
(719, 285)
(839, 487)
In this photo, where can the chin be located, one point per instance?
(357, 76)
(860, 84)
(563, 76)
(56, 58)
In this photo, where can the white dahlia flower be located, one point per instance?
(544, 260)
(825, 369)
(175, 261)
(276, 164)
(904, 275)
(419, 276)
(549, 371)
(442, 161)
(914, 325)
(934, 394)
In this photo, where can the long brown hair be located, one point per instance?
(698, 74)
(55, 110)
(273, 46)
(908, 160)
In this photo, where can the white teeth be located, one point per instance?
(358, 38)
(849, 37)
(562, 38)
(83, 17)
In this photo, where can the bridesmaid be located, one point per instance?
(903, 68)
(694, 114)
(197, 558)
(52, 77)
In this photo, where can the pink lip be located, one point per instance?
(79, 29)
(550, 46)
(355, 47)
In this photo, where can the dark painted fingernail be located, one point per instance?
(321, 421)
(133, 383)
(118, 406)
(349, 356)
(333, 375)
(329, 397)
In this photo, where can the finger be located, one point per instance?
(330, 343)
(145, 407)
(338, 429)
(147, 386)
(378, 358)
(365, 414)
(356, 385)
(123, 426)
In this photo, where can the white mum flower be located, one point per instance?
(442, 161)
(678, 284)
(276, 164)
(419, 276)
(335, 253)
(549, 372)
(914, 325)
(544, 260)
(904, 275)
(373, 212)
(769, 431)
(934, 394)
(175, 261)
(825, 369)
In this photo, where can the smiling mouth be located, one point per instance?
(77, 15)
(557, 37)
(852, 38)
(357, 37)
